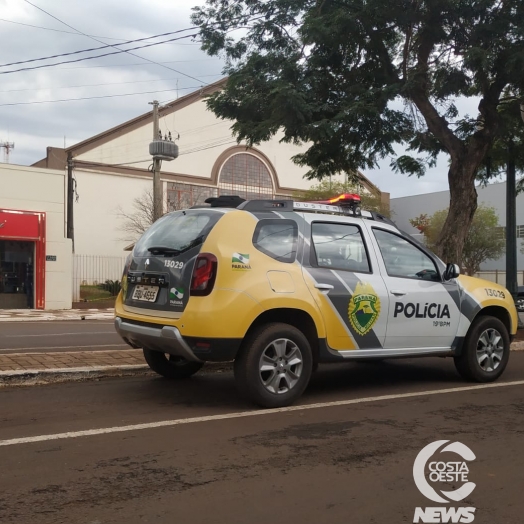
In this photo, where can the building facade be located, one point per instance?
(112, 170)
(35, 256)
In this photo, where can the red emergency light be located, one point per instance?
(349, 201)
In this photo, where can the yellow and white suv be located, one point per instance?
(280, 286)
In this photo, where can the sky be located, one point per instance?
(30, 121)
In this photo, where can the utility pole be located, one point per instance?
(511, 223)
(158, 204)
(160, 149)
(7, 146)
(70, 200)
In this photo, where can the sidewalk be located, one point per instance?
(86, 363)
(34, 315)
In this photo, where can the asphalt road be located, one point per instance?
(343, 455)
(56, 335)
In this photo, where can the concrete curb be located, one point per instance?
(84, 369)
(21, 315)
(36, 377)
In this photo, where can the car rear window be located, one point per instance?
(177, 232)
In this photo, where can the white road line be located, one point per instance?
(47, 348)
(243, 414)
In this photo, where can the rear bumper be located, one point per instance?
(168, 339)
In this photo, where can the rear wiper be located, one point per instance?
(163, 250)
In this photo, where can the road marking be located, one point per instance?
(243, 414)
(47, 348)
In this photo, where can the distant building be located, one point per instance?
(493, 195)
(35, 256)
(111, 169)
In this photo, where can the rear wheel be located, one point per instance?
(274, 365)
(170, 366)
(486, 350)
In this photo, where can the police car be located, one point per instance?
(281, 286)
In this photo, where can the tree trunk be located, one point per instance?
(462, 207)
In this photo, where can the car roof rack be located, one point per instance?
(225, 201)
(234, 201)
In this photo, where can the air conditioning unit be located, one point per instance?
(163, 150)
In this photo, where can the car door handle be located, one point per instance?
(398, 293)
(324, 287)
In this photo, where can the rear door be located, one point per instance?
(159, 275)
(346, 283)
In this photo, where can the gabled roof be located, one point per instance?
(139, 121)
(57, 157)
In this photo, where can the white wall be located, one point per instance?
(96, 214)
(198, 128)
(38, 189)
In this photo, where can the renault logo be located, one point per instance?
(147, 263)
(2, 225)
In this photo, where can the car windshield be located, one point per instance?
(176, 233)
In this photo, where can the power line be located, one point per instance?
(142, 64)
(32, 89)
(91, 97)
(100, 42)
(95, 48)
(208, 147)
(102, 55)
(62, 31)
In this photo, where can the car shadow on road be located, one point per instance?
(329, 382)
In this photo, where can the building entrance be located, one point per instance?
(17, 274)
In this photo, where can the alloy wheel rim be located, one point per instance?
(280, 366)
(490, 350)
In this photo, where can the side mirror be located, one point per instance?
(452, 271)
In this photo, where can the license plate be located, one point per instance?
(145, 293)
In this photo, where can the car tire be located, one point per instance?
(170, 366)
(274, 365)
(485, 353)
(520, 304)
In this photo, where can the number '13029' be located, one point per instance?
(174, 264)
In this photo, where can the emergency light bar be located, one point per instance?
(347, 201)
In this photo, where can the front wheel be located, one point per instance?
(274, 365)
(170, 366)
(486, 350)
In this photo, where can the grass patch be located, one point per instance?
(91, 293)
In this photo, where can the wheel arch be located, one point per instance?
(498, 312)
(297, 318)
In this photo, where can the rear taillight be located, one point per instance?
(123, 283)
(204, 275)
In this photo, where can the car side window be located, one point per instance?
(339, 246)
(403, 259)
(277, 239)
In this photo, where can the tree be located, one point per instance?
(332, 73)
(327, 189)
(482, 243)
(137, 221)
